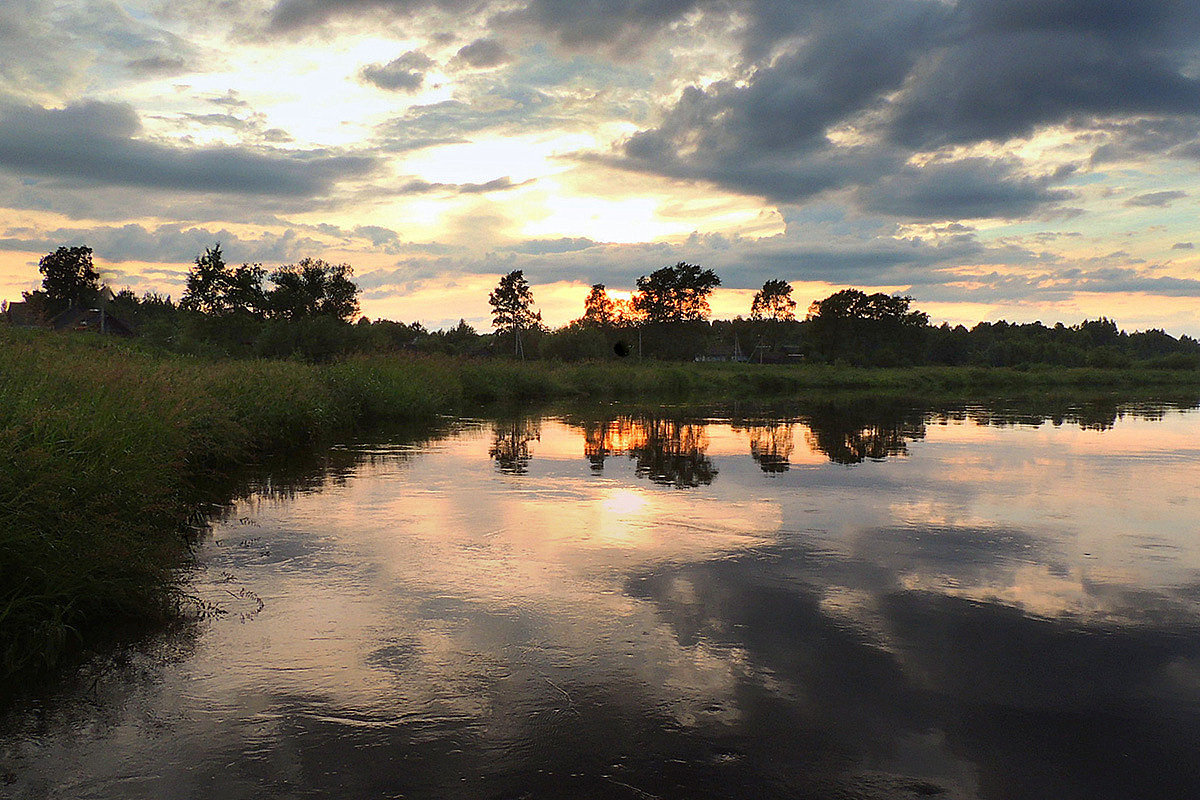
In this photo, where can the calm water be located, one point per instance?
(844, 603)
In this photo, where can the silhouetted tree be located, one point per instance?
(215, 288)
(676, 294)
(774, 301)
(512, 308)
(313, 288)
(598, 307)
(205, 288)
(68, 278)
(867, 328)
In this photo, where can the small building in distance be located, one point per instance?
(23, 315)
(93, 318)
(96, 320)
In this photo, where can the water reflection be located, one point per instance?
(771, 443)
(1002, 608)
(666, 450)
(511, 444)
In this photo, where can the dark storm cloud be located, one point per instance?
(1003, 85)
(404, 74)
(482, 53)
(923, 75)
(996, 69)
(964, 189)
(94, 142)
(1155, 199)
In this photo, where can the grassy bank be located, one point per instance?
(107, 451)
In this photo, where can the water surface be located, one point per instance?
(842, 602)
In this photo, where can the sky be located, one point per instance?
(994, 159)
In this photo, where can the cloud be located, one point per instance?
(169, 244)
(1155, 199)
(300, 15)
(911, 77)
(94, 142)
(964, 189)
(157, 65)
(482, 53)
(1183, 246)
(501, 108)
(417, 186)
(404, 74)
(546, 246)
(601, 23)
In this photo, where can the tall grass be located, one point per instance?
(106, 451)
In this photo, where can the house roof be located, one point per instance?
(79, 318)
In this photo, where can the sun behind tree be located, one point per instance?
(598, 307)
(676, 294)
(774, 301)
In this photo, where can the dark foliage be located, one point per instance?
(68, 278)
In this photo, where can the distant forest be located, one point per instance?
(309, 310)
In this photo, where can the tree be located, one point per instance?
(855, 304)
(676, 294)
(867, 328)
(598, 307)
(313, 288)
(206, 283)
(244, 292)
(774, 301)
(215, 288)
(512, 307)
(68, 278)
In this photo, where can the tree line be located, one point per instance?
(309, 309)
(667, 318)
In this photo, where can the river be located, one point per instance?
(844, 601)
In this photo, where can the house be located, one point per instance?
(23, 315)
(97, 320)
(719, 353)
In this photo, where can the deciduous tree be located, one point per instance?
(598, 307)
(774, 301)
(311, 288)
(215, 288)
(68, 278)
(676, 294)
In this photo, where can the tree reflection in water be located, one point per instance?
(666, 451)
(771, 443)
(510, 444)
(848, 435)
(672, 450)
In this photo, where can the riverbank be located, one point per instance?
(109, 453)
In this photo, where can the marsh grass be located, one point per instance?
(109, 452)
